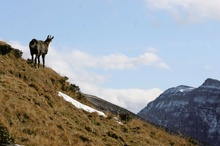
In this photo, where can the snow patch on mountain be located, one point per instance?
(80, 105)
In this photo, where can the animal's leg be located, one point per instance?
(32, 57)
(35, 61)
(38, 57)
(43, 58)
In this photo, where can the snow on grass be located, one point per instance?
(80, 105)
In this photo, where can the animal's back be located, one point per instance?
(43, 47)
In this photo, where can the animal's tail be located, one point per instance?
(33, 44)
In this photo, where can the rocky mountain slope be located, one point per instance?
(194, 112)
(106, 106)
(32, 113)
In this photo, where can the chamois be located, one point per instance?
(37, 48)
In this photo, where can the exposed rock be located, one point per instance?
(193, 112)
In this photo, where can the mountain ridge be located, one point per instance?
(189, 111)
(106, 106)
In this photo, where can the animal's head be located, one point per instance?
(49, 39)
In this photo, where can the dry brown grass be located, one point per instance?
(34, 114)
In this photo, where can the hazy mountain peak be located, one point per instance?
(176, 90)
(190, 111)
(211, 83)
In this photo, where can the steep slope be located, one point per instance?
(194, 112)
(32, 113)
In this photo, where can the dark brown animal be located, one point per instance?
(38, 48)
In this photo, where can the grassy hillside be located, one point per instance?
(32, 113)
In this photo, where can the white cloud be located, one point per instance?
(111, 61)
(132, 99)
(188, 10)
(79, 67)
(208, 67)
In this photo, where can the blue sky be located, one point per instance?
(126, 52)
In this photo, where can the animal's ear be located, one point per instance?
(49, 37)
